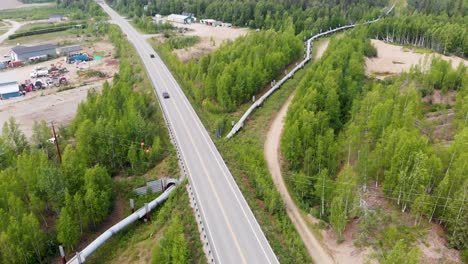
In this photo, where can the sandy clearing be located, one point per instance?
(434, 250)
(208, 36)
(11, 4)
(60, 107)
(393, 59)
(322, 47)
(272, 156)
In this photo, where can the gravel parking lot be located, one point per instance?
(50, 104)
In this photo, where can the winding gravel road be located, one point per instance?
(272, 156)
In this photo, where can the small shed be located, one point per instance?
(69, 49)
(56, 18)
(24, 53)
(9, 90)
(158, 19)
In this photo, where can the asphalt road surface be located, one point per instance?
(236, 236)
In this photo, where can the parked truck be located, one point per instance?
(39, 72)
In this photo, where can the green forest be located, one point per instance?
(307, 15)
(344, 132)
(230, 76)
(45, 202)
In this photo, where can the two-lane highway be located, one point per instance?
(234, 233)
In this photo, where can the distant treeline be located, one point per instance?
(439, 33)
(307, 15)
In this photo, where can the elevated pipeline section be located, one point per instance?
(81, 256)
(307, 58)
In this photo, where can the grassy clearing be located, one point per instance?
(31, 13)
(44, 38)
(46, 25)
(183, 42)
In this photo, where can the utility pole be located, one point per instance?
(56, 143)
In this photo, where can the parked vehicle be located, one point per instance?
(27, 86)
(57, 81)
(78, 58)
(39, 72)
(13, 64)
(39, 84)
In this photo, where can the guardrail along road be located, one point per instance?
(233, 233)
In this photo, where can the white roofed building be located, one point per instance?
(9, 90)
(181, 19)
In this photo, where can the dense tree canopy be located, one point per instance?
(307, 15)
(43, 202)
(379, 131)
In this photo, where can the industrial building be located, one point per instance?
(181, 19)
(56, 18)
(69, 49)
(24, 53)
(9, 90)
(211, 22)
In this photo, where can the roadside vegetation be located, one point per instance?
(238, 70)
(44, 203)
(171, 236)
(250, 172)
(183, 42)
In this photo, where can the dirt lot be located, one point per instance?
(393, 59)
(207, 34)
(21, 74)
(10, 4)
(49, 104)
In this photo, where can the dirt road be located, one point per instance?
(271, 149)
(14, 26)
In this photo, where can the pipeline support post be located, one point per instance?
(132, 205)
(62, 255)
(147, 215)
